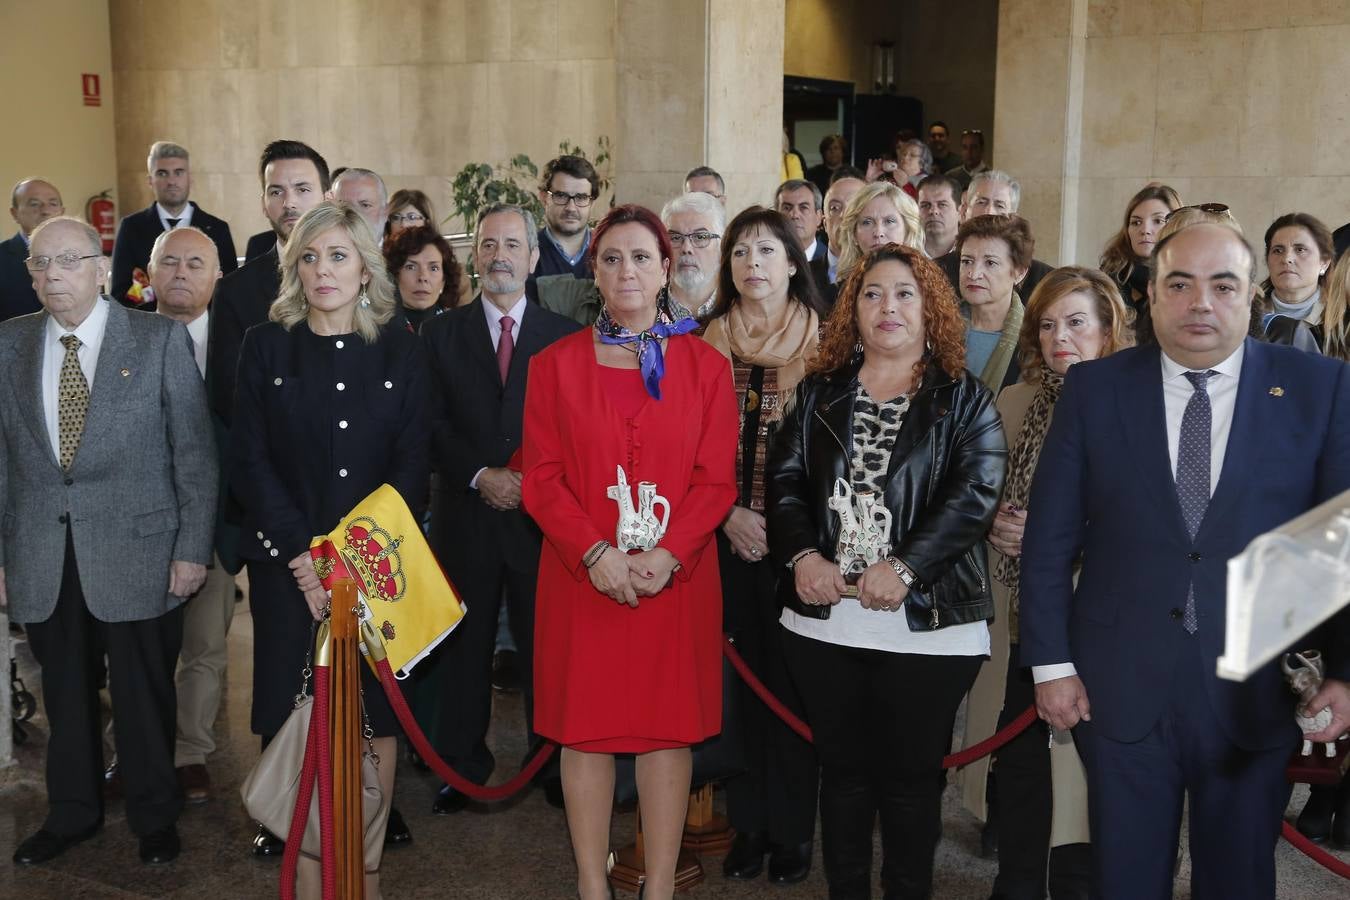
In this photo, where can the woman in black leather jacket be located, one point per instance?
(882, 483)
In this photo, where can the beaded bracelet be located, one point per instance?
(593, 555)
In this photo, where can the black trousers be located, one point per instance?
(881, 725)
(462, 669)
(141, 656)
(1026, 805)
(777, 793)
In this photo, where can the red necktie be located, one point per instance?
(506, 345)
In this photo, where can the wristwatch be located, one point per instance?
(904, 571)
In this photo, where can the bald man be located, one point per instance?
(32, 202)
(184, 268)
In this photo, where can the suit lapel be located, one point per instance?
(530, 342)
(480, 340)
(119, 366)
(27, 367)
(1140, 400)
(1239, 456)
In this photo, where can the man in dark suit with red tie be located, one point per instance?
(1162, 463)
(489, 548)
(32, 202)
(171, 179)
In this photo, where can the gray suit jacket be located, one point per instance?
(142, 488)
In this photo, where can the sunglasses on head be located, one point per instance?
(1216, 209)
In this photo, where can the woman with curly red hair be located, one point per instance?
(882, 484)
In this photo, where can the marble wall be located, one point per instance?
(417, 89)
(1234, 101)
(50, 132)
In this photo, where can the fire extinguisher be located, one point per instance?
(101, 213)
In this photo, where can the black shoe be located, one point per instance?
(160, 847)
(448, 802)
(1314, 823)
(396, 832)
(553, 792)
(789, 865)
(745, 859)
(505, 671)
(47, 845)
(265, 843)
(1340, 830)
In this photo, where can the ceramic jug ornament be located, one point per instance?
(638, 527)
(864, 528)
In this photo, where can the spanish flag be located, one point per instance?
(402, 591)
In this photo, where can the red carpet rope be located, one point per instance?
(438, 765)
(1315, 853)
(954, 761)
(318, 736)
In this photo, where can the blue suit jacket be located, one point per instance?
(1104, 488)
(16, 284)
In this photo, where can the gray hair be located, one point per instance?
(926, 157)
(291, 308)
(796, 184)
(531, 229)
(86, 230)
(165, 150)
(998, 176)
(158, 249)
(698, 203)
(354, 172)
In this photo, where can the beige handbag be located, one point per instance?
(270, 790)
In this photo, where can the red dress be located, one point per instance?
(609, 678)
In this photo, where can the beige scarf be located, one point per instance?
(787, 347)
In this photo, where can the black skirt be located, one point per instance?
(281, 637)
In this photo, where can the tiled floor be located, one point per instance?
(517, 849)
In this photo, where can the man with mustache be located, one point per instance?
(568, 188)
(695, 222)
(480, 354)
(294, 180)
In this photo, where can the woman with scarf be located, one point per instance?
(1127, 254)
(628, 641)
(1074, 314)
(767, 323)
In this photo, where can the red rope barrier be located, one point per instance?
(438, 765)
(1315, 853)
(327, 840)
(954, 761)
(300, 815)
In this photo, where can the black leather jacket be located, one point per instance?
(945, 479)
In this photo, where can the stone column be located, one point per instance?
(1038, 116)
(699, 83)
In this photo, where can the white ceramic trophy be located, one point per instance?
(864, 530)
(638, 527)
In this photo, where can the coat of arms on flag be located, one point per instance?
(401, 589)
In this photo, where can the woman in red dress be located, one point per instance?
(628, 645)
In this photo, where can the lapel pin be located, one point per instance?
(126, 373)
(1277, 392)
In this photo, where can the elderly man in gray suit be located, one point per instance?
(108, 488)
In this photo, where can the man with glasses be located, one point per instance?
(972, 157)
(568, 188)
(32, 202)
(695, 222)
(109, 493)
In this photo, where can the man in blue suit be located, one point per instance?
(32, 202)
(1161, 464)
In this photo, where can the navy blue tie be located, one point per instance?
(1193, 457)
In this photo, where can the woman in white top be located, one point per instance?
(882, 482)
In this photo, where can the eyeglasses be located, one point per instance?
(68, 261)
(1214, 209)
(562, 198)
(409, 218)
(699, 239)
(972, 131)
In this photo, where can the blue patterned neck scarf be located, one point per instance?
(651, 361)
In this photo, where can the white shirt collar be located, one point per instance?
(184, 218)
(1232, 366)
(811, 250)
(90, 331)
(199, 326)
(494, 314)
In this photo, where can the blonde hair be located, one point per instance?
(850, 253)
(1336, 311)
(1110, 309)
(377, 307)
